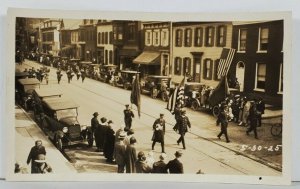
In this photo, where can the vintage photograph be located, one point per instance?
(148, 97)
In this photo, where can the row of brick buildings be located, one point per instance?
(176, 48)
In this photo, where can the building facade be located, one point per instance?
(258, 63)
(155, 57)
(87, 39)
(105, 47)
(197, 48)
(50, 40)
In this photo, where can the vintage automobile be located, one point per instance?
(39, 95)
(61, 124)
(192, 94)
(24, 89)
(156, 86)
(93, 71)
(124, 78)
(106, 72)
(85, 65)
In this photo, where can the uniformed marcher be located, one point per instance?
(69, 75)
(177, 113)
(159, 129)
(59, 75)
(183, 124)
(83, 74)
(128, 115)
(223, 119)
(253, 116)
(94, 125)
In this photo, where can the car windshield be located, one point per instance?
(30, 87)
(66, 113)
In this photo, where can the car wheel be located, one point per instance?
(58, 144)
(195, 105)
(164, 97)
(216, 110)
(126, 86)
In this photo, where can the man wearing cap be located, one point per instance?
(223, 119)
(160, 166)
(175, 166)
(119, 153)
(34, 153)
(159, 129)
(183, 124)
(128, 115)
(94, 125)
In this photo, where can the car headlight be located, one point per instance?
(65, 129)
(83, 127)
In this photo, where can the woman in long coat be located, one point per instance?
(130, 156)
(109, 143)
(102, 132)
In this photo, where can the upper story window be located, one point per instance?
(260, 80)
(209, 36)
(187, 65)
(188, 37)
(84, 21)
(177, 66)
(216, 66)
(221, 36)
(118, 33)
(198, 37)
(131, 32)
(178, 38)
(263, 39)
(148, 38)
(156, 38)
(207, 68)
(111, 37)
(164, 38)
(99, 38)
(242, 40)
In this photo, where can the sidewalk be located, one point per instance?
(27, 132)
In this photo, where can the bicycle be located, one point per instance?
(276, 129)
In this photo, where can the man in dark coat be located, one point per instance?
(101, 133)
(183, 124)
(260, 106)
(253, 119)
(83, 74)
(175, 166)
(94, 125)
(159, 129)
(223, 119)
(34, 153)
(109, 143)
(128, 115)
(160, 166)
(59, 75)
(119, 153)
(69, 75)
(141, 165)
(130, 156)
(177, 114)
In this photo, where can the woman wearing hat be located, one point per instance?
(34, 154)
(159, 129)
(101, 133)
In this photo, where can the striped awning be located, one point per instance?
(148, 58)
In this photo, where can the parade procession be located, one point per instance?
(111, 96)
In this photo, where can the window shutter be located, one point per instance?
(224, 36)
(216, 70)
(204, 69)
(212, 37)
(211, 68)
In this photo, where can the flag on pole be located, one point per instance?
(135, 97)
(220, 92)
(225, 61)
(176, 97)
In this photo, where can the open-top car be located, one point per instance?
(124, 78)
(156, 86)
(41, 94)
(24, 90)
(192, 93)
(61, 124)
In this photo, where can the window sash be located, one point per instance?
(198, 37)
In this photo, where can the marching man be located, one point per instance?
(159, 132)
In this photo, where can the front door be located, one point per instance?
(240, 74)
(197, 69)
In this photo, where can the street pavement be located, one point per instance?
(204, 150)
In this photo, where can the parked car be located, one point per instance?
(107, 72)
(156, 86)
(85, 65)
(39, 95)
(93, 71)
(61, 124)
(124, 78)
(192, 94)
(24, 89)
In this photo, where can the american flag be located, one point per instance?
(225, 61)
(177, 97)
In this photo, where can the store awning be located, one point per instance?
(148, 58)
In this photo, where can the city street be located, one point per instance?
(204, 150)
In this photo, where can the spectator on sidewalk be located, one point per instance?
(253, 114)
(130, 133)
(42, 167)
(160, 166)
(109, 143)
(34, 153)
(223, 119)
(131, 157)
(141, 165)
(94, 125)
(260, 106)
(119, 131)
(119, 153)
(175, 166)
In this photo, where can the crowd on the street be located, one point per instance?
(41, 74)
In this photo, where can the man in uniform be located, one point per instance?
(128, 115)
(223, 119)
(183, 124)
(59, 75)
(159, 129)
(94, 125)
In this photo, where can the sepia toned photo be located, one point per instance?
(151, 97)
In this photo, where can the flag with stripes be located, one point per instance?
(225, 61)
(176, 97)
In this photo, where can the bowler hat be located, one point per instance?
(103, 119)
(122, 135)
(95, 114)
(127, 105)
(132, 140)
(141, 155)
(178, 154)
